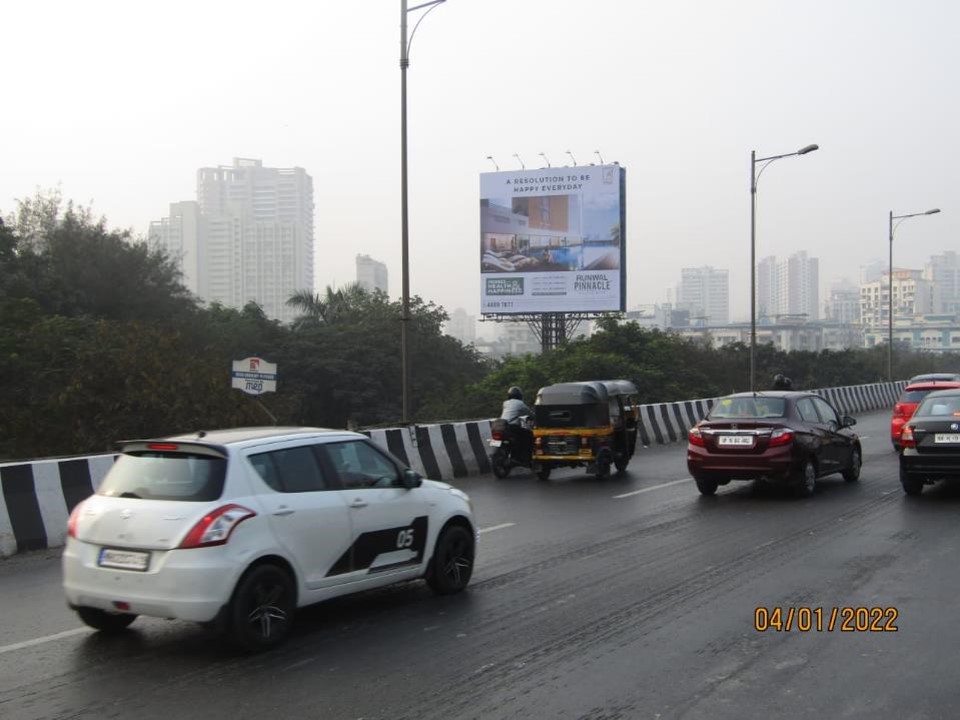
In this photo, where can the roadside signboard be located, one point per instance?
(254, 376)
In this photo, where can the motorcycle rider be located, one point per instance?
(514, 408)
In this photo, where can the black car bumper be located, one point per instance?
(929, 464)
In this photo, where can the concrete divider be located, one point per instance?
(38, 495)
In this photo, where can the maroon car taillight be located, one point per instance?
(696, 437)
(781, 436)
(906, 438)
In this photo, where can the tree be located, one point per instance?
(73, 266)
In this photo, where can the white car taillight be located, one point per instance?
(72, 521)
(216, 526)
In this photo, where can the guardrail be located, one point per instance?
(38, 495)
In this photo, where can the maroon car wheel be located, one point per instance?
(707, 486)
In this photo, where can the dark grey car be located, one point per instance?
(930, 442)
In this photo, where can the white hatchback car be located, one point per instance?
(238, 528)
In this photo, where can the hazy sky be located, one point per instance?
(120, 102)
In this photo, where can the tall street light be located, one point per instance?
(754, 177)
(892, 228)
(404, 227)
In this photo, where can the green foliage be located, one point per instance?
(344, 358)
(99, 341)
(72, 265)
(666, 367)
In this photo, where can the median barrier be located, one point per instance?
(38, 495)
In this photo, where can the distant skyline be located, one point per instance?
(118, 105)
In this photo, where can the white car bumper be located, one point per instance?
(189, 584)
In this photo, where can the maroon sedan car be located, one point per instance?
(787, 437)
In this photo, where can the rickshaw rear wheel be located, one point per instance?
(621, 464)
(543, 472)
(603, 469)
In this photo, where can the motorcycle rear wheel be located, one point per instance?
(500, 463)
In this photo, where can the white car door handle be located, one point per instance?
(358, 503)
(284, 511)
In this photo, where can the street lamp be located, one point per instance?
(892, 228)
(404, 227)
(754, 177)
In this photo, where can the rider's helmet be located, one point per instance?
(515, 393)
(781, 382)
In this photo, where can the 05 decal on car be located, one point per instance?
(386, 549)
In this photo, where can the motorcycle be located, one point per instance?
(513, 447)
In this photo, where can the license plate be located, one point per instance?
(947, 438)
(124, 559)
(735, 440)
(494, 443)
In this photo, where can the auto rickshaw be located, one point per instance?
(592, 424)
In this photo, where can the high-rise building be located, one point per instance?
(843, 305)
(912, 295)
(803, 285)
(253, 237)
(705, 292)
(788, 287)
(462, 326)
(371, 274)
(767, 286)
(944, 272)
(180, 235)
(872, 271)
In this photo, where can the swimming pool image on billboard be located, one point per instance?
(530, 234)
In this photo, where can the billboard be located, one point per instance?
(552, 240)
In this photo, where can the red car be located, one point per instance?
(908, 402)
(786, 437)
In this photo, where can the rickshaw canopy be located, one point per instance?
(584, 393)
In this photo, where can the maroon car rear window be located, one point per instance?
(751, 408)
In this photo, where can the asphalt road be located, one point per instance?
(632, 597)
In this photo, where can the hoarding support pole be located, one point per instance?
(553, 331)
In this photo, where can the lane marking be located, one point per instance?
(495, 527)
(42, 640)
(653, 487)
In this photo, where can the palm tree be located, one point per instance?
(313, 308)
(331, 307)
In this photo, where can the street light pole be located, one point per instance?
(891, 229)
(404, 224)
(754, 178)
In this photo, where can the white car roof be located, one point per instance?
(240, 438)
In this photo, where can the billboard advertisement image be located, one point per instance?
(552, 240)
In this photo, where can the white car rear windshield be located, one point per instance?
(165, 476)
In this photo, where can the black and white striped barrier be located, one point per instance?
(663, 423)
(37, 496)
